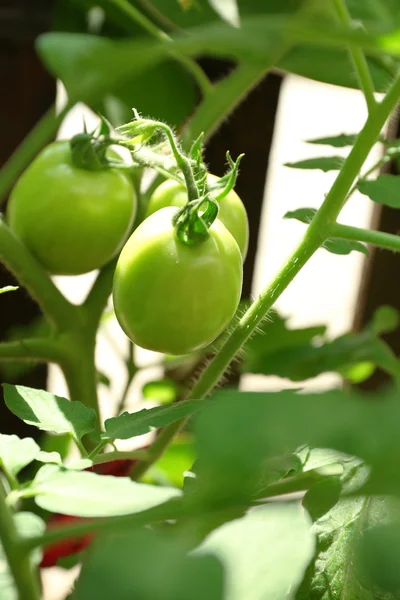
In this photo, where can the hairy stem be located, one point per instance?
(18, 561)
(317, 232)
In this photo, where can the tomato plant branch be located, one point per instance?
(145, 23)
(388, 241)
(317, 232)
(36, 349)
(43, 131)
(18, 561)
(358, 58)
(30, 274)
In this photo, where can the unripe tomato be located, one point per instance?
(72, 220)
(173, 298)
(232, 212)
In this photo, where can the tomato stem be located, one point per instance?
(380, 239)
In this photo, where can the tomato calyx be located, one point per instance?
(89, 149)
(192, 222)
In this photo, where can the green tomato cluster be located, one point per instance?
(168, 296)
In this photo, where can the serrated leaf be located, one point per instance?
(28, 525)
(129, 425)
(84, 494)
(264, 554)
(383, 190)
(337, 141)
(17, 453)
(8, 288)
(228, 10)
(49, 412)
(324, 163)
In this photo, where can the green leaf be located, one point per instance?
(383, 190)
(322, 497)
(129, 425)
(227, 10)
(379, 555)
(28, 525)
(338, 570)
(49, 457)
(49, 412)
(16, 453)
(344, 247)
(237, 433)
(171, 467)
(385, 320)
(324, 163)
(337, 141)
(85, 494)
(336, 246)
(148, 566)
(8, 288)
(304, 215)
(264, 554)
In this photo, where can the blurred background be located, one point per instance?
(271, 127)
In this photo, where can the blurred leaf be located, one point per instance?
(129, 425)
(383, 190)
(264, 554)
(8, 288)
(238, 432)
(28, 525)
(336, 246)
(333, 66)
(357, 373)
(338, 141)
(146, 566)
(49, 412)
(49, 457)
(153, 93)
(379, 555)
(227, 10)
(324, 163)
(17, 453)
(163, 391)
(385, 320)
(322, 497)
(85, 494)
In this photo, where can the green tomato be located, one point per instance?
(232, 212)
(173, 298)
(72, 220)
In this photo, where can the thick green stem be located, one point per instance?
(30, 274)
(42, 133)
(18, 561)
(358, 58)
(380, 239)
(317, 232)
(40, 349)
